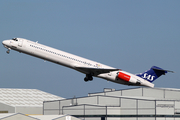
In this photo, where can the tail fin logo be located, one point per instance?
(148, 77)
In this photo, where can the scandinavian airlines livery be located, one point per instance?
(89, 68)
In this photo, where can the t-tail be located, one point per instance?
(153, 73)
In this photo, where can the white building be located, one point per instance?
(129, 104)
(25, 101)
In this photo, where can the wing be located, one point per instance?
(95, 71)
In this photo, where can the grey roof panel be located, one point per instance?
(25, 97)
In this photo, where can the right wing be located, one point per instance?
(95, 71)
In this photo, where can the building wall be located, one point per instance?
(160, 103)
(29, 110)
(52, 108)
(121, 105)
(171, 94)
(153, 93)
(6, 108)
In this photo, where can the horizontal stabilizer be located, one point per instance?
(163, 70)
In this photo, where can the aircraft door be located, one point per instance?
(20, 42)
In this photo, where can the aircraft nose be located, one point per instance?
(5, 42)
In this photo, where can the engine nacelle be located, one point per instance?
(126, 77)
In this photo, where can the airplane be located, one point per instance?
(88, 67)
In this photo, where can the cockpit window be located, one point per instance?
(15, 39)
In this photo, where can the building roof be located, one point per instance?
(48, 117)
(143, 93)
(16, 116)
(25, 97)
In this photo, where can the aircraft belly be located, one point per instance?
(111, 76)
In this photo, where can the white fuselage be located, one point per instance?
(80, 64)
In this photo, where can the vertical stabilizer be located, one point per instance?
(153, 73)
